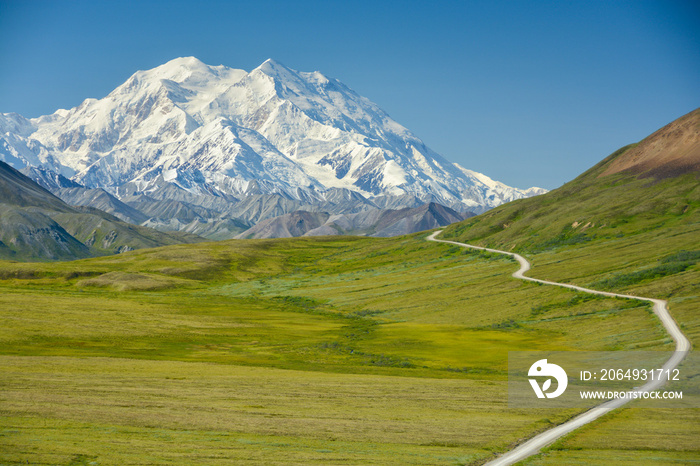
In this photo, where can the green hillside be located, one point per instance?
(589, 208)
(651, 185)
(635, 230)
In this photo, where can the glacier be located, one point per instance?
(224, 132)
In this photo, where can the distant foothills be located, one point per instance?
(215, 152)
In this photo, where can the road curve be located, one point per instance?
(535, 444)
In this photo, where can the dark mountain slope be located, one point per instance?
(48, 179)
(425, 217)
(26, 231)
(36, 225)
(26, 234)
(18, 190)
(370, 222)
(102, 200)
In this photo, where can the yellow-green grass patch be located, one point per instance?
(170, 399)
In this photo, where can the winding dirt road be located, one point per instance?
(535, 444)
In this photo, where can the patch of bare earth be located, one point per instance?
(671, 151)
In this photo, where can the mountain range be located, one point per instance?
(37, 225)
(214, 150)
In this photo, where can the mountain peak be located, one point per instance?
(273, 68)
(178, 67)
(190, 62)
(179, 70)
(287, 130)
(273, 63)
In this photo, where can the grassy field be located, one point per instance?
(658, 436)
(639, 236)
(326, 351)
(632, 435)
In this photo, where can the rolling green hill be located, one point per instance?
(630, 223)
(626, 194)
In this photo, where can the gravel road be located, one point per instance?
(535, 444)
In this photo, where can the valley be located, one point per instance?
(292, 351)
(331, 331)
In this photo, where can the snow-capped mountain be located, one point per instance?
(214, 130)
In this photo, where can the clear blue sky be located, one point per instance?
(529, 93)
